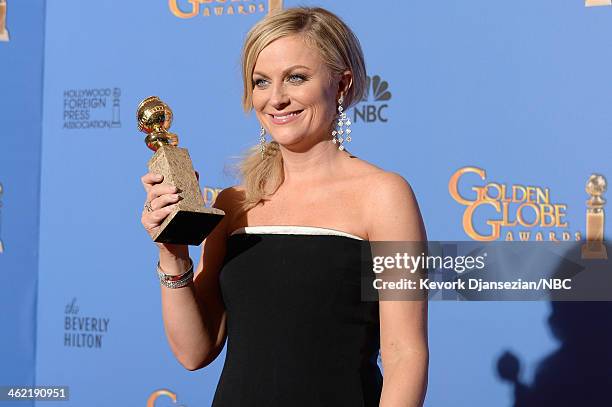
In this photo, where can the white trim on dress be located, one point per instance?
(293, 230)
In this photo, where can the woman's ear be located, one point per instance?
(345, 83)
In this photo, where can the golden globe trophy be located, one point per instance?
(594, 247)
(190, 222)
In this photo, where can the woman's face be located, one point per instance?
(294, 93)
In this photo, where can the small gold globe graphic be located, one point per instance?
(155, 118)
(596, 185)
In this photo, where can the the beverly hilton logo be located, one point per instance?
(207, 8)
(4, 35)
(83, 331)
(374, 103)
(523, 212)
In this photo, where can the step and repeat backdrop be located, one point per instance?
(497, 113)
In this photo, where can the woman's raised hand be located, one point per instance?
(160, 202)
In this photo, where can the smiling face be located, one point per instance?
(294, 93)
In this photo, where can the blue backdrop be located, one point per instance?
(520, 89)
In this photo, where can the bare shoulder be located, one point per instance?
(381, 184)
(391, 187)
(390, 207)
(229, 199)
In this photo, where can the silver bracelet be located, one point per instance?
(176, 281)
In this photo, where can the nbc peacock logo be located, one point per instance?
(374, 103)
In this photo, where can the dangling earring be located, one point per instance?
(262, 141)
(341, 134)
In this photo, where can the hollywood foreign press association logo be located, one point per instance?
(372, 107)
(94, 108)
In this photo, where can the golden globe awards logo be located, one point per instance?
(191, 8)
(528, 210)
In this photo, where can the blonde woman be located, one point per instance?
(279, 277)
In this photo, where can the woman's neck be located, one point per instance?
(312, 166)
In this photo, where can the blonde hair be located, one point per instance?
(340, 50)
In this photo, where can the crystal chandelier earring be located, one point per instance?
(262, 141)
(342, 131)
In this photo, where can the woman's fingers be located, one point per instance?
(151, 220)
(158, 190)
(150, 179)
(159, 215)
(164, 200)
(160, 202)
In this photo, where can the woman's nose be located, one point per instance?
(279, 98)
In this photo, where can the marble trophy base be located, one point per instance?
(594, 250)
(191, 221)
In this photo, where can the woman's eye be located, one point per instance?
(296, 78)
(260, 83)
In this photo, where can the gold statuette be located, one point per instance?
(191, 221)
(594, 248)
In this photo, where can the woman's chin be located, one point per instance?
(286, 136)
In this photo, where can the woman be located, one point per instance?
(279, 276)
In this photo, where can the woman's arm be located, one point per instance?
(194, 315)
(403, 323)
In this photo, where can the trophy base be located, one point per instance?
(190, 222)
(188, 227)
(594, 250)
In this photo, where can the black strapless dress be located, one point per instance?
(298, 333)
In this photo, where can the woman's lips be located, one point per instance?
(285, 117)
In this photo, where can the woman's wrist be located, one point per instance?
(174, 251)
(173, 262)
(175, 280)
